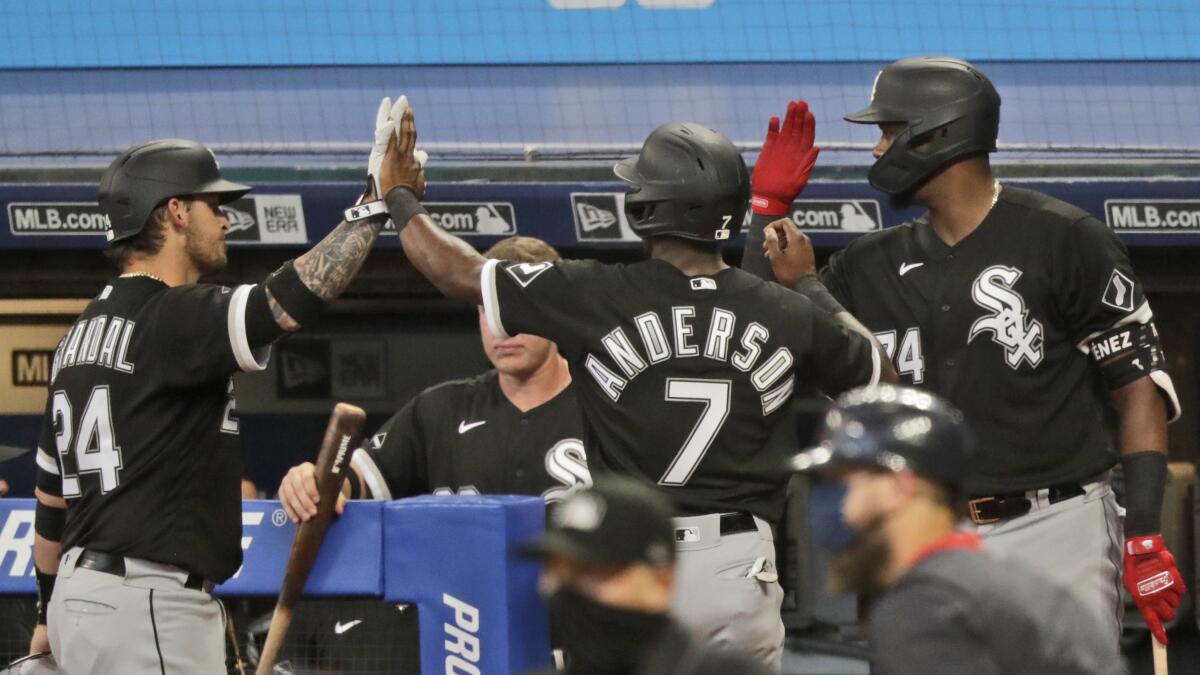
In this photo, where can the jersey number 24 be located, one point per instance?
(95, 449)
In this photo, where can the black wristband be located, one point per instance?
(812, 288)
(45, 589)
(356, 490)
(403, 205)
(1145, 480)
(293, 296)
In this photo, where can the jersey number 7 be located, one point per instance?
(95, 448)
(714, 394)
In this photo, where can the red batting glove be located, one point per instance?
(785, 163)
(1153, 580)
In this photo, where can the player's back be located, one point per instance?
(682, 379)
(142, 419)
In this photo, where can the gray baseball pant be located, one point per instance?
(146, 622)
(727, 591)
(1075, 543)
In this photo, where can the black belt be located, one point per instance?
(994, 508)
(735, 523)
(115, 564)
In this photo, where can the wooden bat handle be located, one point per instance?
(333, 460)
(1160, 656)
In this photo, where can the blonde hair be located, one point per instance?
(522, 249)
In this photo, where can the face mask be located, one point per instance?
(598, 639)
(829, 528)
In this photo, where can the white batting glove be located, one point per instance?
(387, 122)
(385, 127)
(397, 112)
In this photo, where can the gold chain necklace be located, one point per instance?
(130, 275)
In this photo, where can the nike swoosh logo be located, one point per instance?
(340, 627)
(463, 427)
(905, 268)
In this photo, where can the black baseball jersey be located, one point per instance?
(141, 431)
(466, 437)
(682, 379)
(963, 611)
(995, 323)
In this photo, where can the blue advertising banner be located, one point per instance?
(156, 33)
(1143, 212)
(350, 561)
(457, 559)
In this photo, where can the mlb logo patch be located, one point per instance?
(703, 284)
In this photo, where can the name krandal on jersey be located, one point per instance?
(653, 346)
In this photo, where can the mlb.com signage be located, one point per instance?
(600, 216)
(471, 219)
(1153, 215)
(253, 219)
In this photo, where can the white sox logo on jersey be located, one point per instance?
(1009, 320)
(566, 462)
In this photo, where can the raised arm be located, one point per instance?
(449, 263)
(790, 254)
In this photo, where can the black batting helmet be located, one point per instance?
(688, 181)
(147, 175)
(896, 429)
(945, 102)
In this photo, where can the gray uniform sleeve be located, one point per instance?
(926, 629)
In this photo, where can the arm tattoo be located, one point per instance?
(328, 268)
(282, 318)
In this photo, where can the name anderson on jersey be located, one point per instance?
(100, 340)
(654, 346)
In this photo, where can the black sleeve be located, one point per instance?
(205, 330)
(925, 629)
(753, 259)
(545, 299)
(835, 277)
(837, 358)
(1095, 284)
(392, 461)
(49, 464)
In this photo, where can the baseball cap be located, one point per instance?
(616, 522)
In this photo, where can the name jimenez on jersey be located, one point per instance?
(656, 347)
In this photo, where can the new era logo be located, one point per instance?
(592, 218)
(238, 220)
(600, 216)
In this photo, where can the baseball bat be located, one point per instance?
(1160, 656)
(341, 438)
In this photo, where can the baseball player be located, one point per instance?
(516, 429)
(608, 578)
(1025, 313)
(894, 460)
(683, 364)
(139, 466)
